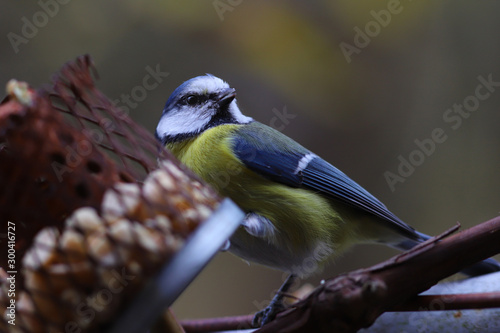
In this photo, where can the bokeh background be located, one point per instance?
(360, 112)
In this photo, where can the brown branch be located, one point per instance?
(450, 302)
(354, 300)
(217, 324)
(418, 303)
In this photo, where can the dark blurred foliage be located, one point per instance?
(360, 115)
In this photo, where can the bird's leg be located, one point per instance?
(265, 316)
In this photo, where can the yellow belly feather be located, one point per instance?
(303, 220)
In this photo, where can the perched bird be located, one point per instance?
(299, 207)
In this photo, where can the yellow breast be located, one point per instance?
(302, 218)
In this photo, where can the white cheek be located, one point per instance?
(182, 123)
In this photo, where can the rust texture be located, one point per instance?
(90, 201)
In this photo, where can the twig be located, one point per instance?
(451, 302)
(351, 301)
(354, 300)
(419, 303)
(217, 324)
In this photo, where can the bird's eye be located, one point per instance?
(192, 100)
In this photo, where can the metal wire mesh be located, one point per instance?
(95, 214)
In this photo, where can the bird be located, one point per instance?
(298, 206)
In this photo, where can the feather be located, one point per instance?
(277, 157)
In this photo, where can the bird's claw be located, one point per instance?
(268, 314)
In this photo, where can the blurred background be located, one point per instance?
(360, 81)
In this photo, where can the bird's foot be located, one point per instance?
(269, 313)
(276, 306)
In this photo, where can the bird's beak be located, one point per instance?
(226, 96)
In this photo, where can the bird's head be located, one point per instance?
(197, 105)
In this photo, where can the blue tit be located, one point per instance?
(299, 207)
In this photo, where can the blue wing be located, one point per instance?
(277, 157)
